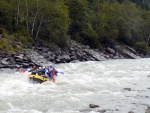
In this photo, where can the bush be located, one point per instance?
(5, 47)
(17, 37)
(141, 47)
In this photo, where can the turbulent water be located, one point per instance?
(84, 83)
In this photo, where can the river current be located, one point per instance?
(101, 83)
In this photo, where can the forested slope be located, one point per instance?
(97, 23)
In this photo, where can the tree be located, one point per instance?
(78, 18)
(6, 19)
(130, 23)
(55, 23)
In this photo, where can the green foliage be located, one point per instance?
(130, 24)
(78, 17)
(57, 22)
(141, 47)
(17, 37)
(90, 37)
(6, 47)
(91, 22)
(5, 14)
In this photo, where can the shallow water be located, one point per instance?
(100, 83)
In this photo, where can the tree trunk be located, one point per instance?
(39, 26)
(27, 23)
(148, 39)
(37, 9)
(18, 8)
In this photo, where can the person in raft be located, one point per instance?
(52, 72)
(33, 70)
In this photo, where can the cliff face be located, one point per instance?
(39, 55)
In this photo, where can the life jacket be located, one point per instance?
(53, 72)
(34, 71)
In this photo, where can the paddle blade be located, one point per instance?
(61, 72)
(22, 71)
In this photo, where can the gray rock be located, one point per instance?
(93, 105)
(5, 61)
(110, 50)
(101, 111)
(86, 110)
(127, 89)
(12, 61)
(130, 112)
(25, 65)
(148, 110)
(1, 66)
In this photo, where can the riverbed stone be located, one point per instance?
(102, 110)
(93, 105)
(127, 89)
(130, 112)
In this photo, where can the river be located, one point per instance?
(101, 83)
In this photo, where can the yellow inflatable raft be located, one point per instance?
(37, 78)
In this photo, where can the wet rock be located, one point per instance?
(93, 106)
(85, 110)
(4, 61)
(45, 49)
(127, 89)
(65, 58)
(45, 55)
(12, 61)
(127, 52)
(75, 61)
(93, 110)
(1, 66)
(101, 111)
(12, 66)
(130, 112)
(76, 52)
(131, 49)
(148, 110)
(110, 51)
(25, 65)
(20, 56)
(19, 60)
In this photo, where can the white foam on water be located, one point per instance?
(83, 83)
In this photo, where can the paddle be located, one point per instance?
(21, 70)
(61, 73)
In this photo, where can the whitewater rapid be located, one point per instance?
(101, 83)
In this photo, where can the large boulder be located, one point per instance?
(4, 61)
(110, 51)
(148, 110)
(93, 106)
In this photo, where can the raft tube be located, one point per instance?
(37, 78)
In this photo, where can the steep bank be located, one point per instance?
(39, 55)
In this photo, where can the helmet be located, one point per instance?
(40, 67)
(34, 67)
(51, 65)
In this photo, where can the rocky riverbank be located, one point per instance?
(39, 55)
